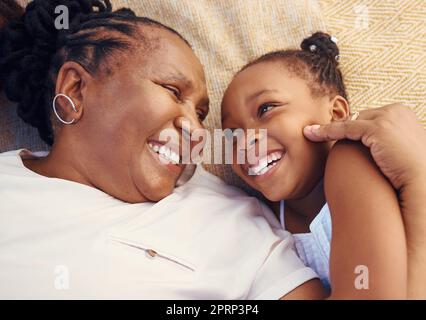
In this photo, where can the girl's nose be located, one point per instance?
(254, 138)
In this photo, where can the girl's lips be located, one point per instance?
(273, 155)
(268, 174)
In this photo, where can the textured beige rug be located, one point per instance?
(382, 45)
(383, 50)
(226, 34)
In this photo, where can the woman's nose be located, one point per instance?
(188, 122)
(187, 126)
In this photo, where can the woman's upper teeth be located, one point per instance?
(165, 152)
(262, 166)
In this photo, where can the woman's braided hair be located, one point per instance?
(32, 50)
(9, 10)
(317, 62)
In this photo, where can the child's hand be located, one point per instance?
(396, 139)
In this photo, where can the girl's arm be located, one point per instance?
(368, 258)
(368, 250)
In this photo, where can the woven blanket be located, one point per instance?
(382, 46)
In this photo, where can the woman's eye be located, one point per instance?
(264, 108)
(173, 90)
(201, 115)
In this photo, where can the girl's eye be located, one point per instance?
(264, 108)
(173, 90)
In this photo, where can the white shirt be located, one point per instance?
(313, 248)
(64, 240)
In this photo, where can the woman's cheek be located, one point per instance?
(152, 115)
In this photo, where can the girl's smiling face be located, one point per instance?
(268, 96)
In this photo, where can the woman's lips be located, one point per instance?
(169, 153)
(166, 154)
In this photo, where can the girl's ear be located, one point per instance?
(339, 110)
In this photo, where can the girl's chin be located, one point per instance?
(277, 191)
(268, 191)
(273, 196)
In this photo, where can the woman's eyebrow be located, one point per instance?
(178, 77)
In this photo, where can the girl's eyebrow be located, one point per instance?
(224, 116)
(258, 93)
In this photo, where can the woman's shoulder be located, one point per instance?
(10, 158)
(11, 162)
(16, 156)
(10, 153)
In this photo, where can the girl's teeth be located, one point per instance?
(175, 157)
(156, 148)
(264, 170)
(263, 167)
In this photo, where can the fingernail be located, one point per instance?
(314, 128)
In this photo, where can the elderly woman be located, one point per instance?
(100, 215)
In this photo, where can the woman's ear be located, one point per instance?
(71, 81)
(339, 110)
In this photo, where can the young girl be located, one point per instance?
(282, 92)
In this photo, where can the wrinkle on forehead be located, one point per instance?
(166, 57)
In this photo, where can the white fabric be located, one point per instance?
(64, 240)
(314, 247)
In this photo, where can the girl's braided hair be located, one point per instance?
(317, 61)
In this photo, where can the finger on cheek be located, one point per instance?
(313, 132)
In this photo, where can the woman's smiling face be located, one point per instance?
(267, 96)
(125, 116)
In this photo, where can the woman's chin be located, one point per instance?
(159, 190)
(161, 195)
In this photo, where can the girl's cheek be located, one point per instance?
(288, 127)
